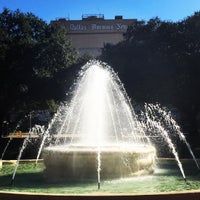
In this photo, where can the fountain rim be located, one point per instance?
(177, 195)
(102, 148)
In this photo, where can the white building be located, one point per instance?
(90, 34)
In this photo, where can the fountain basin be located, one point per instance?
(166, 183)
(80, 162)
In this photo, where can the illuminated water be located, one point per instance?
(99, 114)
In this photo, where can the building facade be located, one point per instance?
(90, 34)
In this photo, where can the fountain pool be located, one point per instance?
(166, 183)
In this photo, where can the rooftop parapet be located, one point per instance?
(92, 17)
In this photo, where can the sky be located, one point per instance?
(168, 10)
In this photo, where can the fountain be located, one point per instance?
(101, 136)
(98, 138)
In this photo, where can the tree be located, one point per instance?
(159, 61)
(55, 53)
(32, 52)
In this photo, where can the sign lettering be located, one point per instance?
(98, 27)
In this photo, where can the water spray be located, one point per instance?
(168, 119)
(186, 182)
(24, 145)
(99, 168)
(6, 147)
(12, 182)
(99, 185)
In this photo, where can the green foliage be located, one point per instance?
(32, 53)
(52, 105)
(159, 61)
(54, 54)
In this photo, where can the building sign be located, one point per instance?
(119, 27)
(77, 27)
